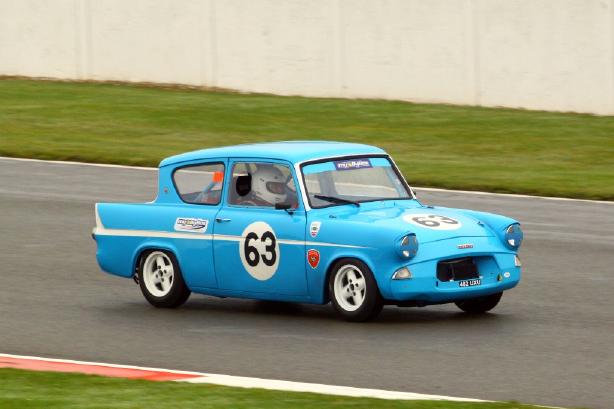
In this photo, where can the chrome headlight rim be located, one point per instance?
(513, 236)
(407, 246)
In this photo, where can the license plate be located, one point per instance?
(470, 283)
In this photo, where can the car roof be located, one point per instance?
(292, 151)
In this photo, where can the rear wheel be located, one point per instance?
(161, 281)
(479, 305)
(353, 291)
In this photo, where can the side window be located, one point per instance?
(262, 185)
(200, 184)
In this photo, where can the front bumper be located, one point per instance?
(497, 273)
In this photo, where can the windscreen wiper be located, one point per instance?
(334, 199)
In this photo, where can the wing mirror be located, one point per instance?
(284, 206)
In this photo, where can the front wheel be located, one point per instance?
(479, 305)
(353, 291)
(161, 281)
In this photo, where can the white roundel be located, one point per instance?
(433, 221)
(259, 251)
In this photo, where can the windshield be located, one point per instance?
(351, 181)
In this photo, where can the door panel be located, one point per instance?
(257, 248)
(260, 250)
(199, 186)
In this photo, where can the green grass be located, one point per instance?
(502, 150)
(26, 389)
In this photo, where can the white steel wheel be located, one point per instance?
(353, 290)
(158, 274)
(350, 287)
(160, 279)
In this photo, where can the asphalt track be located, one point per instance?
(550, 341)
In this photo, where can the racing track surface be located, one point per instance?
(550, 341)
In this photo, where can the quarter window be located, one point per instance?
(200, 184)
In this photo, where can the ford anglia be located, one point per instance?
(311, 222)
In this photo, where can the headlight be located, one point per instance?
(407, 246)
(513, 236)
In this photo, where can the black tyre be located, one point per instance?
(353, 291)
(161, 281)
(479, 305)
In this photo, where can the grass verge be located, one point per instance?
(501, 150)
(29, 390)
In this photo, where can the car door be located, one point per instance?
(259, 248)
(199, 187)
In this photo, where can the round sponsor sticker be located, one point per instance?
(432, 221)
(259, 251)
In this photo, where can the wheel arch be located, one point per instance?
(333, 262)
(152, 246)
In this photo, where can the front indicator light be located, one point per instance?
(517, 262)
(402, 273)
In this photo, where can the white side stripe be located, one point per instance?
(101, 231)
(150, 233)
(316, 243)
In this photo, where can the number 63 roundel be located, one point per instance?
(259, 251)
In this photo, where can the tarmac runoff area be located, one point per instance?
(549, 342)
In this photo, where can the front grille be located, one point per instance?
(457, 269)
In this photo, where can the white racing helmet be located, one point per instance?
(269, 185)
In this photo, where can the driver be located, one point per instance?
(268, 187)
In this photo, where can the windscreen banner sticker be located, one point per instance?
(314, 229)
(259, 251)
(352, 164)
(191, 224)
(433, 221)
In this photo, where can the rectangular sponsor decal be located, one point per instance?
(352, 164)
(191, 224)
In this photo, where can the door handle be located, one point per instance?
(222, 220)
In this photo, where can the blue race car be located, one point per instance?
(305, 222)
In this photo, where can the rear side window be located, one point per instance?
(200, 184)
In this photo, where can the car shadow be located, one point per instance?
(228, 308)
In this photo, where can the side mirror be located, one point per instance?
(283, 206)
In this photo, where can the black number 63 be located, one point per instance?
(252, 256)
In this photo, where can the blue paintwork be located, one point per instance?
(211, 264)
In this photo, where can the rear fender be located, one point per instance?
(153, 245)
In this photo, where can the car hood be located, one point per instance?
(427, 222)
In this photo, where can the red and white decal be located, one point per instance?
(313, 258)
(314, 229)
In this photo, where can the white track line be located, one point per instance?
(426, 189)
(271, 384)
(244, 382)
(65, 162)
